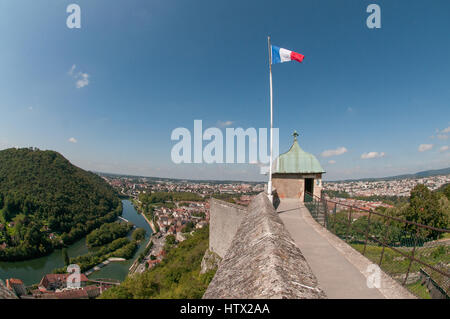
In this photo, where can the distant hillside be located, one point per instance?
(429, 173)
(175, 180)
(46, 201)
(435, 172)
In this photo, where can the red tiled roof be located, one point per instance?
(15, 281)
(92, 291)
(68, 294)
(52, 278)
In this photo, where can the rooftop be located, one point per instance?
(296, 161)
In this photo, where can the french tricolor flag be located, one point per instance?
(280, 55)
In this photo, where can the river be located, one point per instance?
(32, 271)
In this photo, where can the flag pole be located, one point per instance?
(269, 186)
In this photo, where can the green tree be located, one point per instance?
(424, 209)
(177, 276)
(107, 233)
(65, 257)
(170, 239)
(445, 190)
(45, 189)
(138, 234)
(189, 227)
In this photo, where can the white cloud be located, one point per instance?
(372, 155)
(425, 147)
(338, 151)
(72, 69)
(446, 130)
(331, 162)
(349, 109)
(73, 140)
(83, 80)
(444, 148)
(442, 136)
(224, 123)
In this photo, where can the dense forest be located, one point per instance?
(107, 233)
(178, 275)
(46, 202)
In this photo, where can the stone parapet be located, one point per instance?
(262, 260)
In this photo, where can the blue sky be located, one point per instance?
(148, 67)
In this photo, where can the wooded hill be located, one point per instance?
(46, 202)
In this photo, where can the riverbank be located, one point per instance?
(32, 271)
(120, 270)
(152, 226)
(136, 262)
(149, 222)
(103, 264)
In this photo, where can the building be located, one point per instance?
(297, 173)
(5, 293)
(51, 282)
(152, 263)
(88, 292)
(17, 286)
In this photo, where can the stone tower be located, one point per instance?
(295, 172)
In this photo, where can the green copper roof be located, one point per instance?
(297, 160)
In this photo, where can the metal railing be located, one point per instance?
(403, 249)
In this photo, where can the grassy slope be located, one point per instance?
(396, 265)
(178, 276)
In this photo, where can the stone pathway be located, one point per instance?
(340, 270)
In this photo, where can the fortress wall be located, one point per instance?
(225, 219)
(263, 260)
